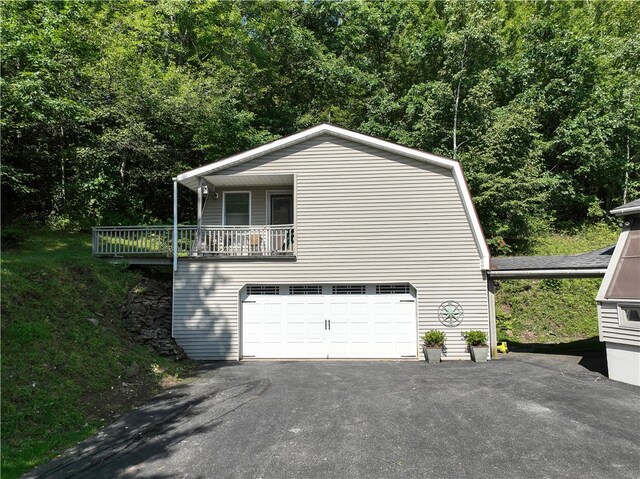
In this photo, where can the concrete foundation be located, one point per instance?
(623, 362)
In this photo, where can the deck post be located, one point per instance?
(493, 332)
(199, 229)
(175, 224)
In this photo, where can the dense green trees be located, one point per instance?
(102, 102)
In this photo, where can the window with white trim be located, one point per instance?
(629, 315)
(237, 208)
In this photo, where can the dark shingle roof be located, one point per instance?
(627, 209)
(598, 259)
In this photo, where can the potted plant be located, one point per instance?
(432, 347)
(477, 342)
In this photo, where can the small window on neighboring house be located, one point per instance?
(629, 315)
(237, 208)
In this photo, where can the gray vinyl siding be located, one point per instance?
(212, 214)
(362, 216)
(610, 329)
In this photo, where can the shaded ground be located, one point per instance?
(525, 415)
(589, 353)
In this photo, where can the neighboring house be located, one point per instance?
(324, 244)
(619, 300)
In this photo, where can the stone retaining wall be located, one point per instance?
(147, 314)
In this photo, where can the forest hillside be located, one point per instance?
(103, 102)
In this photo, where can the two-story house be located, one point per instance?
(326, 244)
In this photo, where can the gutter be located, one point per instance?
(625, 211)
(547, 273)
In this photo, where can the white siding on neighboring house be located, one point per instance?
(362, 215)
(610, 329)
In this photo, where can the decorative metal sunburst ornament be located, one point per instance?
(450, 313)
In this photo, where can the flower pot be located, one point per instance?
(432, 355)
(479, 353)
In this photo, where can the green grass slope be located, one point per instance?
(553, 310)
(62, 377)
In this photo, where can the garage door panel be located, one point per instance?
(316, 310)
(272, 309)
(360, 328)
(361, 309)
(338, 309)
(297, 329)
(316, 328)
(384, 328)
(340, 328)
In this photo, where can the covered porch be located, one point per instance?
(237, 216)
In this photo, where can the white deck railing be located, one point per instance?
(276, 240)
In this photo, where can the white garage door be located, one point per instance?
(341, 321)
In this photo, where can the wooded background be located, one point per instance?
(103, 102)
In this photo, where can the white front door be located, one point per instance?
(329, 326)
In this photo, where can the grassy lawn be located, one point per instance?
(553, 310)
(63, 378)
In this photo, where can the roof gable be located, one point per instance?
(189, 178)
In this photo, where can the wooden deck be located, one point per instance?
(154, 244)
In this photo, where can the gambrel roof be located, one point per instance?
(191, 179)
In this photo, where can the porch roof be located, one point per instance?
(250, 180)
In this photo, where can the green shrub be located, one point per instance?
(475, 338)
(434, 339)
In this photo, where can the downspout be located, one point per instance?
(493, 330)
(175, 224)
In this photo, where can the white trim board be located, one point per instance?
(190, 178)
(613, 263)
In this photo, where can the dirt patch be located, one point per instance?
(121, 398)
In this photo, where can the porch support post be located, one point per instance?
(175, 224)
(493, 332)
(199, 227)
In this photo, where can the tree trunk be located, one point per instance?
(625, 190)
(456, 104)
(455, 119)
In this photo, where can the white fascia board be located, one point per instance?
(188, 177)
(613, 263)
(253, 153)
(472, 216)
(308, 134)
(388, 146)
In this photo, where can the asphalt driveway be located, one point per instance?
(523, 416)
